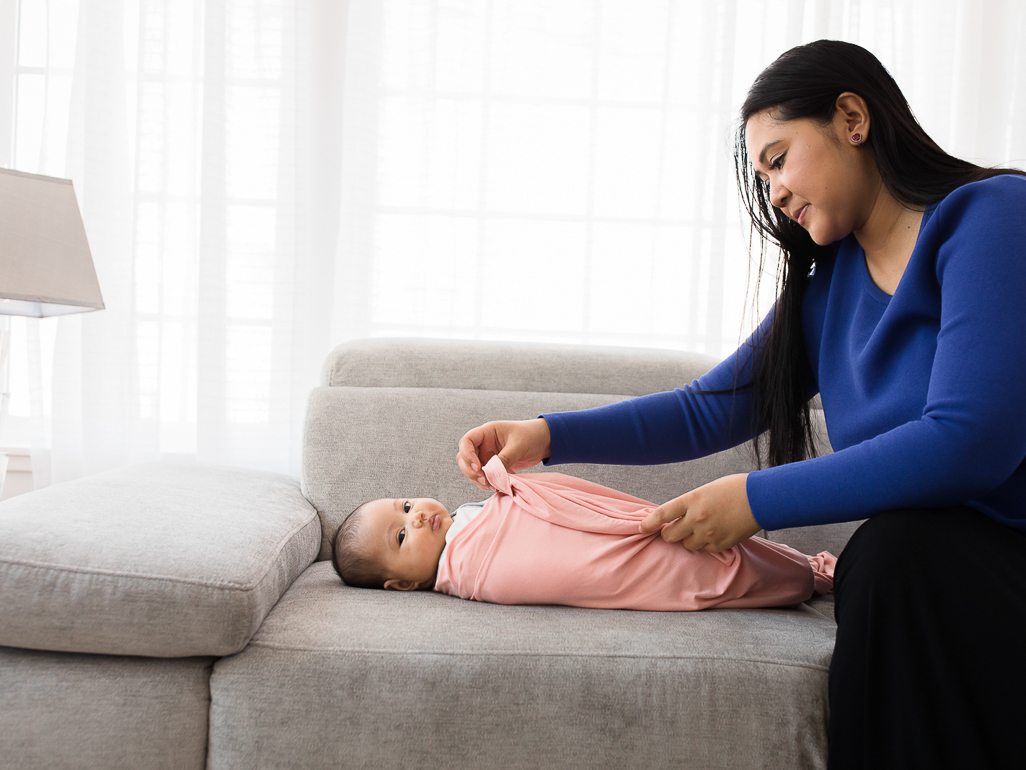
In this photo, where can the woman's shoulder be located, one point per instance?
(998, 195)
(979, 224)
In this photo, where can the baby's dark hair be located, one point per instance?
(352, 566)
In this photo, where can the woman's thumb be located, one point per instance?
(509, 454)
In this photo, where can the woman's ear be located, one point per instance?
(852, 116)
(401, 585)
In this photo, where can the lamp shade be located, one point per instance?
(45, 265)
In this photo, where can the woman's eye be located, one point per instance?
(777, 162)
(407, 506)
(401, 536)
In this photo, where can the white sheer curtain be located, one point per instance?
(264, 179)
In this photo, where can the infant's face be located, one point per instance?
(406, 536)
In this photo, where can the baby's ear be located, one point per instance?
(401, 585)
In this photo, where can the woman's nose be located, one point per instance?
(778, 194)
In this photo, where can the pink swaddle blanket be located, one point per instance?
(547, 538)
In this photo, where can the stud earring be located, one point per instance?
(856, 138)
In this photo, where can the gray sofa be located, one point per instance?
(182, 615)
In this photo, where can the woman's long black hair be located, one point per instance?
(805, 83)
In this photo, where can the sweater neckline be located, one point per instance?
(870, 286)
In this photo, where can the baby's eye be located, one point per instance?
(407, 506)
(401, 535)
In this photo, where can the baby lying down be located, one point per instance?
(547, 538)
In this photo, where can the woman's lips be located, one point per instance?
(801, 213)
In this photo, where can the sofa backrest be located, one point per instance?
(389, 413)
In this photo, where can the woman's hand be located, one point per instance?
(712, 518)
(519, 445)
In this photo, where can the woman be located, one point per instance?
(900, 303)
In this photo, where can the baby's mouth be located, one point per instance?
(435, 522)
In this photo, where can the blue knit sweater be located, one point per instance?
(924, 392)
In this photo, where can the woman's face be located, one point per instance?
(816, 175)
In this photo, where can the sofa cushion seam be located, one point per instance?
(485, 653)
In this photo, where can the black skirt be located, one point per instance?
(928, 668)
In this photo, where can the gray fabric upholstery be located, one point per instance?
(516, 366)
(344, 677)
(62, 710)
(167, 560)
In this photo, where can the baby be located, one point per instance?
(394, 544)
(547, 538)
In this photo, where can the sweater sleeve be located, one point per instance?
(971, 437)
(693, 421)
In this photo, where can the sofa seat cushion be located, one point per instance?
(371, 678)
(163, 559)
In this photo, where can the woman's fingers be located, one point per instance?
(672, 518)
(713, 517)
(525, 443)
(467, 456)
(664, 514)
(469, 459)
(476, 477)
(519, 445)
(679, 531)
(516, 450)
